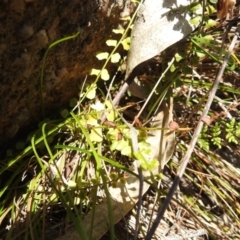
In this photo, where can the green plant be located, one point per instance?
(216, 139)
(202, 140)
(218, 133)
(231, 130)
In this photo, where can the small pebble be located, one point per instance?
(26, 31)
(42, 38)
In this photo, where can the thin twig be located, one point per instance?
(193, 142)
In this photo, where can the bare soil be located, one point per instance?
(27, 28)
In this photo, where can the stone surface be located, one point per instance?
(28, 27)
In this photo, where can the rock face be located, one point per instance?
(27, 28)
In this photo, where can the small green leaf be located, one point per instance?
(210, 9)
(115, 58)
(149, 165)
(196, 20)
(173, 68)
(94, 71)
(112, 134)
(153, 164)
(118, 31)
(207, 37)
(103, 55)
(196, 7)
(91, 91)
(203, 144)
(126, 43)
(113, 145)
(127, 151)
(111, 42)
(104, 75)
(92, 120)
(213, 1)
(238, 130)
(120, 145)
(143, 145)
(111, 113)
(178, 57)
(217, 142)
(210, 23)
(96, 134)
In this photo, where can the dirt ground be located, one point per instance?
(27, 28)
